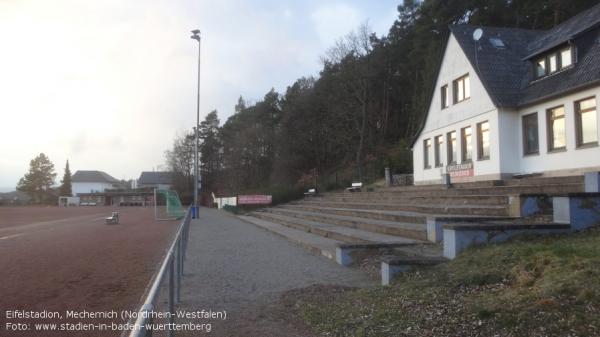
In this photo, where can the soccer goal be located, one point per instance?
(167, 205)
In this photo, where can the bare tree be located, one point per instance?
(180, 160)
(354, 50)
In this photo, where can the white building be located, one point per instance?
(512, 101)
(92, 182)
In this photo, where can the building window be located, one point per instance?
(437, 151)
(556, 129)
(445, 97)
(554, 62)
(586, 123)
(566, 58)
(540, 67)
(462, 88)
(531, 143)
(452, 153)
(483, 140)
(467, 145)
(426, 152)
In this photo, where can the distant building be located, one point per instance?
(159, 180)
(92, 182)
(118, 198)
(512, 101)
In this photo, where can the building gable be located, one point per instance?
(454, 65)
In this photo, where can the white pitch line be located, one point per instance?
(10, 236)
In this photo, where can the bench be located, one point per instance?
(113, 218)
(356, 187)
(311, 192)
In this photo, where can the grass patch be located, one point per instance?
(530, 286)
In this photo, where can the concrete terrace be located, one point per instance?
(390, 224)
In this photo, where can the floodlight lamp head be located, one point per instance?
(196, 35)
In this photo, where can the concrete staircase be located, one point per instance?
(394, 220)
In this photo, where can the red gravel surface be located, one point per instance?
(60, 259)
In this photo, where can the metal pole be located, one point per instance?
(196, 37)
(179, 270)
(171, 294)
(195, 171)
(155, 216)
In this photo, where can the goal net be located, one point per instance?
(167, 205)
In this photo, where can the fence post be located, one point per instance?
(179, 269)
(388, 177)
(171, 295)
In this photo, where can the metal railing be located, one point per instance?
(172, 265)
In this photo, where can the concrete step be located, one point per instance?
(544, 181)
(392, 265)
(426, 208)
(439, 192)
(416, 229)
(529, 181)
(336, 232)
(392, 201)
(362, 214)
(314, 243)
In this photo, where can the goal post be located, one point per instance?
(167, 205)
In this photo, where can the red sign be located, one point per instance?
(460, 170)
(254, 199)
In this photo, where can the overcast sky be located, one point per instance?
(108, 83)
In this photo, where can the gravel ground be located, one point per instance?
(60, 259)
(236, 267)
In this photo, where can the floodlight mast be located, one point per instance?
(197, 178)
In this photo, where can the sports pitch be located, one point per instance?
(60, 259)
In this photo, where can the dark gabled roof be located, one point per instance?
(92, 177)
(507, 73)
(501, 70)
(584, 73)
(565, 31)
(151, 178)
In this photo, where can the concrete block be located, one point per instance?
(592, 182)
(434, 230)
(389, 271)
(514, 206)
(457, 240)
(530, 205)
(585, 212)
(342, 256)
(561, 210)
(580, 210)
(388, 177)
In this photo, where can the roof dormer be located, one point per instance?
(551, 62)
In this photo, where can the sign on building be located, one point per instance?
(254, 199)
(460, 170)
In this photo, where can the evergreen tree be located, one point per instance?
(210, 150)
(65, 187)
(40, 178)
